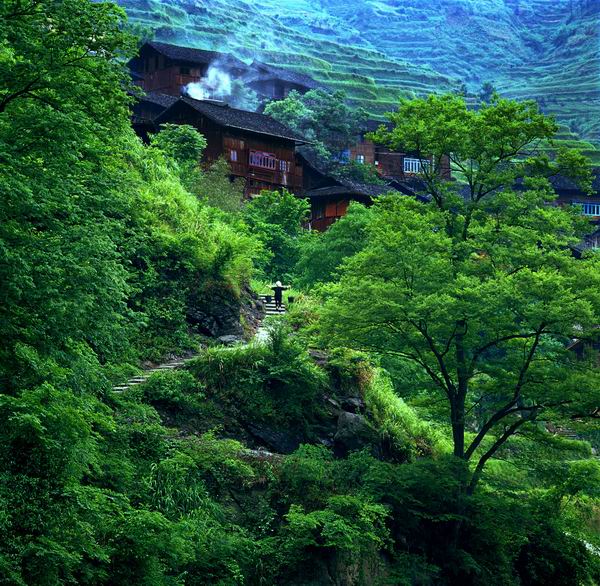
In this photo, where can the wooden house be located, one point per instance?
(168, 69)
(275, 83)
(330, 195)
(398, 165)
(569, 193)
(146, 109)
(257, 147)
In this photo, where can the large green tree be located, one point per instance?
(478, 288)
(63, 119)
(321, 117)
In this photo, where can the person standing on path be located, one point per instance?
(278, 290)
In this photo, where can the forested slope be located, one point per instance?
(416, 419)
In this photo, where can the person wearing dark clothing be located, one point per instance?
(278, 290)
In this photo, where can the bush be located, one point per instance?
(275, 382)
(178, 389)
(406, 434)
(277, 219)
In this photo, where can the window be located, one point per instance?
(284, 166)
(590, 209)
(415, 165)
(184, 70)
(360, 159)
(233, 156)
(263, 160)
(318, 210)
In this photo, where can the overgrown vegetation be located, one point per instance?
(408, 422)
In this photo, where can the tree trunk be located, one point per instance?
(457, 411)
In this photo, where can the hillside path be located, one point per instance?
(261, 336)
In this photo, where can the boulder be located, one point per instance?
(230, 340)
(353, 404)
(353, 433)
(280, 441)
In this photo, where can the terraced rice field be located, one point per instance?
(379, 51)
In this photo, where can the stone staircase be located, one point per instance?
(270, 308)
(147, 373)
(261, 336)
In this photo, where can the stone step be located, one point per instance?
(142, 378)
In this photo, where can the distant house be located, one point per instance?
(568, 193)
(399, 165)
(330, 196)
(169, 69)
(275, 83)
(257, 147)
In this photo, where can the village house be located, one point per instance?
(569, 193)
(330, 195)
(275, 83)
(257, 147)
(397, 165)
(169, 69)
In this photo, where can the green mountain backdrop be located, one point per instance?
(379, 50)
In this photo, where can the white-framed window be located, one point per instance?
(284, 166)
(263, 160)
(360, 159)
(233, 157)
(415, 166)
(589, 209)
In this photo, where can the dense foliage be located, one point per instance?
(323, 118)
(399, 426)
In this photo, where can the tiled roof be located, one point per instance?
(193, 55)
(562, 183)
(224, 115)
(266, 71)
(349, 188)
(164, 100)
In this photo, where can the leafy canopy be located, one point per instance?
(482, 293)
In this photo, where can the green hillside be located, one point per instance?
(379, 50)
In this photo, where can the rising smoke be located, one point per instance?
(220, 84)
(216, 85)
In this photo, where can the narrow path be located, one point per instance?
(147, 373)
(262, 335)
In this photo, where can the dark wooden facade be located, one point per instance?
(330, 196)
(258, 148)
(569, 193)
(168, 69)
(399, 165)
(275, 83)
